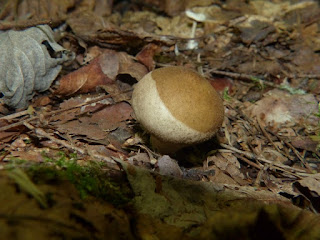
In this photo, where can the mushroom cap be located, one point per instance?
(177, 105)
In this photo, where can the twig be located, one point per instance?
(4, 128)
(298, 155)
(249, 162)
(258, 80)
(276, 165)
(264, 132)
(295, 151)
(103, 158)
(51, 113)
(15, 115)
(42, 133)
(6, 25)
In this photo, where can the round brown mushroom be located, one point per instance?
(178, 107)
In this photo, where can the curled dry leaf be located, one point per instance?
(146, 55)
(227, 166)
(103, 70)
(85, 79)
(130, 67)
(312, 183)
(309, 188)
(30, 61)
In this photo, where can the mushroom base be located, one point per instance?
(165, 147)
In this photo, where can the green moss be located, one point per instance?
(89, 180)
(226, 95)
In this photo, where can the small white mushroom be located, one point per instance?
(178, 107)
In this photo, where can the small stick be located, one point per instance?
(295, 151)
(248, 161)
(264, 132)
(42, 133)
(16, 124)
(275, 164)
(15, 115)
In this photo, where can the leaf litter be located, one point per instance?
(261, 56)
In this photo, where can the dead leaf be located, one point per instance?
(146, 55)
(78, 127)
(7, 136)
(280, 107)
(33, 156)
(312, 184)
(139, 159)
(111, 117)
(168, 166)
(103, 150)
(129, 66)
(256, 30)
(221, 84)
(84, 80)
(221, 177)
(31, 60)
(309, 188)
(304, 143)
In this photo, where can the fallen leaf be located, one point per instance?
(76, 127)
(168, 166)
(312, 184)
(304, 143)
(85, 79)
(33, 156)
(31, 60)
(110, 117)
(129, 66)
(146, 55)
(280, 107)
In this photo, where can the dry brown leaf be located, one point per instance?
(43, 9)
(304, 143)
(280, 107)
(92, 53)
(309, 188)
(85, 79)
(129, 66)
(34, 156)
(101, 71)
(146, 55)
(86, 23)
(271, 154)
(7, 136)
(255, 30)
(221, 177)
(221, 84)
(78, 127)
(112, 116)
(311, 183)
(103, 150)
(228, 163)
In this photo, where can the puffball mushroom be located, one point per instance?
(178, 107)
